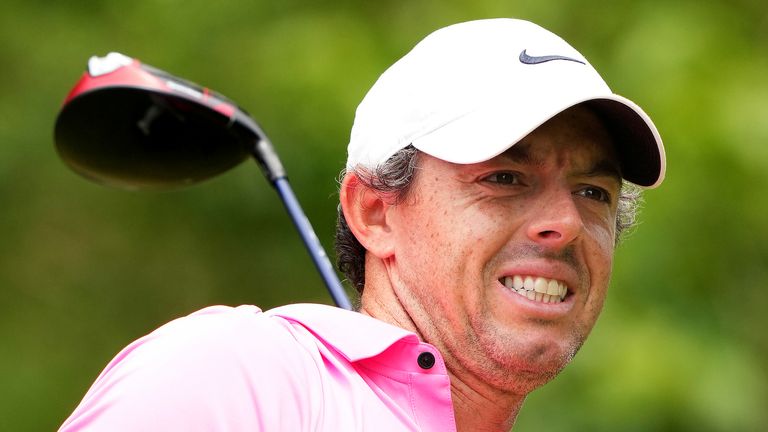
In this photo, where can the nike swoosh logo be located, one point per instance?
(527, 59)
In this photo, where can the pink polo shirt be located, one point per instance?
(301, 367)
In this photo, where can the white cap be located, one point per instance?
(470, 91)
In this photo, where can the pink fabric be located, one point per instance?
(294, 368)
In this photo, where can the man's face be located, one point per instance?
(541, 215)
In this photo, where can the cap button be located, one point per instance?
(426, 360)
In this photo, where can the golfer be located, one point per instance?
(488, 179)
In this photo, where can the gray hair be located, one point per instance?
(394, 178)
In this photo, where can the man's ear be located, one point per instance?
(366, 213)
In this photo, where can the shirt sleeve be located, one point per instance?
(223, 369)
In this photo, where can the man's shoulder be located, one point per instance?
(217, 335)
(212, 369)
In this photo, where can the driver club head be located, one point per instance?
(132, 126)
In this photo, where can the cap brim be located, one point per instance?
(477, 137)
(638, 142)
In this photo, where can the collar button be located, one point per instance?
(426, 360)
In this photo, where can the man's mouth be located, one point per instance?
(536, 288)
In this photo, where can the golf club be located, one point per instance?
(132, 126)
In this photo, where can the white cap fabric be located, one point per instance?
(468, 92)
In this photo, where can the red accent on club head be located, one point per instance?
(134, 75)
(138, 127)
(225, 108)
(126, 76)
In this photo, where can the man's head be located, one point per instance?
(493, 235)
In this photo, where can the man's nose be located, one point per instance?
(556, 221)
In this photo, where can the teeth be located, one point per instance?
(517, 282)
(529, 285)
(553, 288)
(536, 288)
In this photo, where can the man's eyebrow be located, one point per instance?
(605, 168)
(602, 168)
(520, 154)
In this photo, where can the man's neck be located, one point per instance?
(478, 406)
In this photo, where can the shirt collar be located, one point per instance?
(354, 335)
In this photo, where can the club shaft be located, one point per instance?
(273, 171)
(312, 243)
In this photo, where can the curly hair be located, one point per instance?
(394, 178)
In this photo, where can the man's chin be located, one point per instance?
(523, 367)
(523, 377)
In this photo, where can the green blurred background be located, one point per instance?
(84, 270)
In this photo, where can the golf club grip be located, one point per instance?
(312, 243)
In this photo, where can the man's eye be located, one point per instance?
(505, 178)
(595, 193)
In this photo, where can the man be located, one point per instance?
(483, 197)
